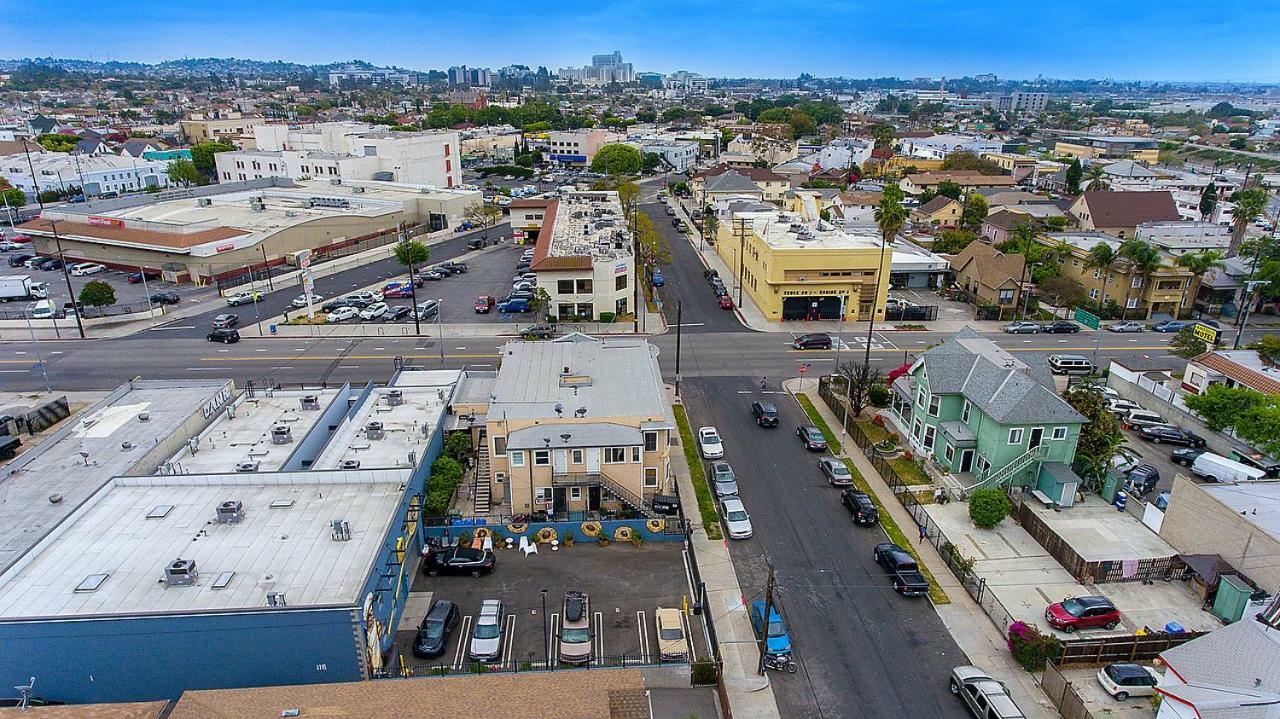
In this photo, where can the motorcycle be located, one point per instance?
(780, 663)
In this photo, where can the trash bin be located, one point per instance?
(271, 329)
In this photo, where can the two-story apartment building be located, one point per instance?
(1120, 213)
(773, 186)
(573, 426)
(968, 180)
(989, 418)
(578, 147)
(1162, 292)
(584, 257)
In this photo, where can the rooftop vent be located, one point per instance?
(126, 446)
(144, 416)
(204, 202)
(276, 599)
(230, 512)
(181, 573)
(395, 398)
(281, 434)
(351, 464)
(340, 530)
(248, 465)
(374, 430)
(310, 401)
(91, 582)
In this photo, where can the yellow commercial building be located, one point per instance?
(795, 269)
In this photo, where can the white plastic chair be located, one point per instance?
(488, 544)
(526, 547)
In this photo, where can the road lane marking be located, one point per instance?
(15, 371)
(327, 358)
(171, 327)
(207, 369)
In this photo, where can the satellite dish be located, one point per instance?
(559, 408)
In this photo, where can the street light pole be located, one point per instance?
(39, 356)
(678, 323)
(66, 275)
(546, 633)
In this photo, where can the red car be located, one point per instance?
(1082, 613)
(725, 302)
(484, 303)
(20, 238)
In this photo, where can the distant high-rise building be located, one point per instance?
(604, 69)
(1018, 101)
(458, 75)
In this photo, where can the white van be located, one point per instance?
(43, 310)
(1070, 364)
(1220, 469)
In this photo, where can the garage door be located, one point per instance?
(824, 307)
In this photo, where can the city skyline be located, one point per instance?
(1141, 41)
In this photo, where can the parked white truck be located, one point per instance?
(16, 288)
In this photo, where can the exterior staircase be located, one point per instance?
(480, 482)
(1007, 472)
(623, 495)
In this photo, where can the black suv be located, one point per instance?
(1060, 327)
(860, 506)
(766, 413)
(1185, 456)
(1143, 478)
(433, 633)
(459, 560)
(165, 298)
(902, 569)
(225, 335)
(814, 341)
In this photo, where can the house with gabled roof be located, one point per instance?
(988, 275)
(988, 418)
(1120, 213)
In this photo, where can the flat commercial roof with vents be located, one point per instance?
(109, 557)
(109, 439)
(247, 434)
(405, 427)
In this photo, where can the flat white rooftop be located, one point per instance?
(1258, 501)
(280, 207)
(123, 538)
(784, 230)
(82, 456)
(243, 432)
(404, 429)
(590, 224)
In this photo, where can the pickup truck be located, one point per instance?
(902, 569)
(778, 640)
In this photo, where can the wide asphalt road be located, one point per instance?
(699, 312)
(863, 650)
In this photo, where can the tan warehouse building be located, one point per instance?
(796, 269)
(206, 234)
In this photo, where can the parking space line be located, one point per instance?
(464, 636)
(642, 628)
(553, 632)
(688, 572)
(510, 638)
(599, 639)
(690, 645)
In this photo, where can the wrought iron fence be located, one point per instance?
(466, 665)
(914, 313)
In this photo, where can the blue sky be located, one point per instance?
(1137, 39)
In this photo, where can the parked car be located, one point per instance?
(765, 413)
(476, 244)
(427, 310)
(673, 646)
(518, 305)
(1185, 455)
(452, 267)
(986, 698)
(720, 291)
(487, 635)
(225, 320)
(1169, 326)
(736, 520)
(1060, 327)
(709, 443)
(860, 506)
(434, 631)
(575, 629)
(1120, 406)
(1222, 469)
(1126, 327)
(49, 264)
(19, 259)
(223, 335)
(1128, 679)
(373, 311)
(300, 301)
(1173, 435)
(541, 331)
(902, 569)
(1138, 418)
(837, 474)
(485, 303)
(1141, 478)
(137, 277)
(165, 298)
(656, 278)
(87, 268)
(402, 288)
(459, 560)
(339, 303)
(707, 274)
(1082, 613)
(725, 302)
(777, 640)
(1019, 328)
(342, 314)
(368, 297)
(395, 314)
(812, 438)
(812, 341)
(724, 483)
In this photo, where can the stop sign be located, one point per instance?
(803, 369)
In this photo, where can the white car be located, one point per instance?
(301, 300)
(709, 443)
(504, 201)
(486, 638)
(1126, 679)
(342, 314)
(672, 645)
(736, 519)
(87, 268)
(244, 297)
(368, 296)
(373, 311)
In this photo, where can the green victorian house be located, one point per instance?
(989, 419)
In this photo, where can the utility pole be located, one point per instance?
(742, 252)
(764, 628)
(66, 273)
(678, 307)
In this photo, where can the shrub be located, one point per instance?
(988, 506)
(877, 421)
(879, 396)
(907, 455)
(1031, 648)
(703, 673)
(961, 564)
(607, 317)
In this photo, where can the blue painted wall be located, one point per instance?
(115, 660)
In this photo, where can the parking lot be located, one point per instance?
(625, 584)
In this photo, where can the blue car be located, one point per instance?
(657, 279)
(778, 640)
(1169, 326)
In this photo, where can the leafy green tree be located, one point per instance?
(1208, 201)
(1237, 143)
(458, 445)
(651, 161)
(1269, 347)
(1024, 237)
(947, 188)
(412, 253)
(1249, 204)
(646, 114)
(1062, 292)
(56, 142)
(12, 197)
(1104, 258)
(484, 216)
(1075, 173)
(674, 114)
(1255, 417)
(1100, 439)
(950, 242)
(202, 155)
(97, 293)
(1056, 224)
(1199, 263)
(1186, 345)
(975, 211)
(1143, 260)
(617, 160)
(964, 160)
(988, 507)
(183, 172)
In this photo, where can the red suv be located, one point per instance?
(484, 303)
(1082, 613)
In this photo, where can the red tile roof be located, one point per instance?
(1251, 378)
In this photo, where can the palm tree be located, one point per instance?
(890, 217)
(1199, 263)
(1104, 258)
(1248, 205)
(1143, 261)
(1097, 178)
(1024, 234)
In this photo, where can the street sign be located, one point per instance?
(1206, 332)
(803, 369)
(1088, 319)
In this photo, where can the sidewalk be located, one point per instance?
(750, 695)
(964, 619)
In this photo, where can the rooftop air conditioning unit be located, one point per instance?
(350, 464)
(374, 430)
(395, 398)
(204, 202)
(310, 401)
(181, 573)
(230, 512)
(335, 181)
(276, 599)
(126, 446)
(281, 434)
(248, 465)
(340, 530)
(357, 190)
